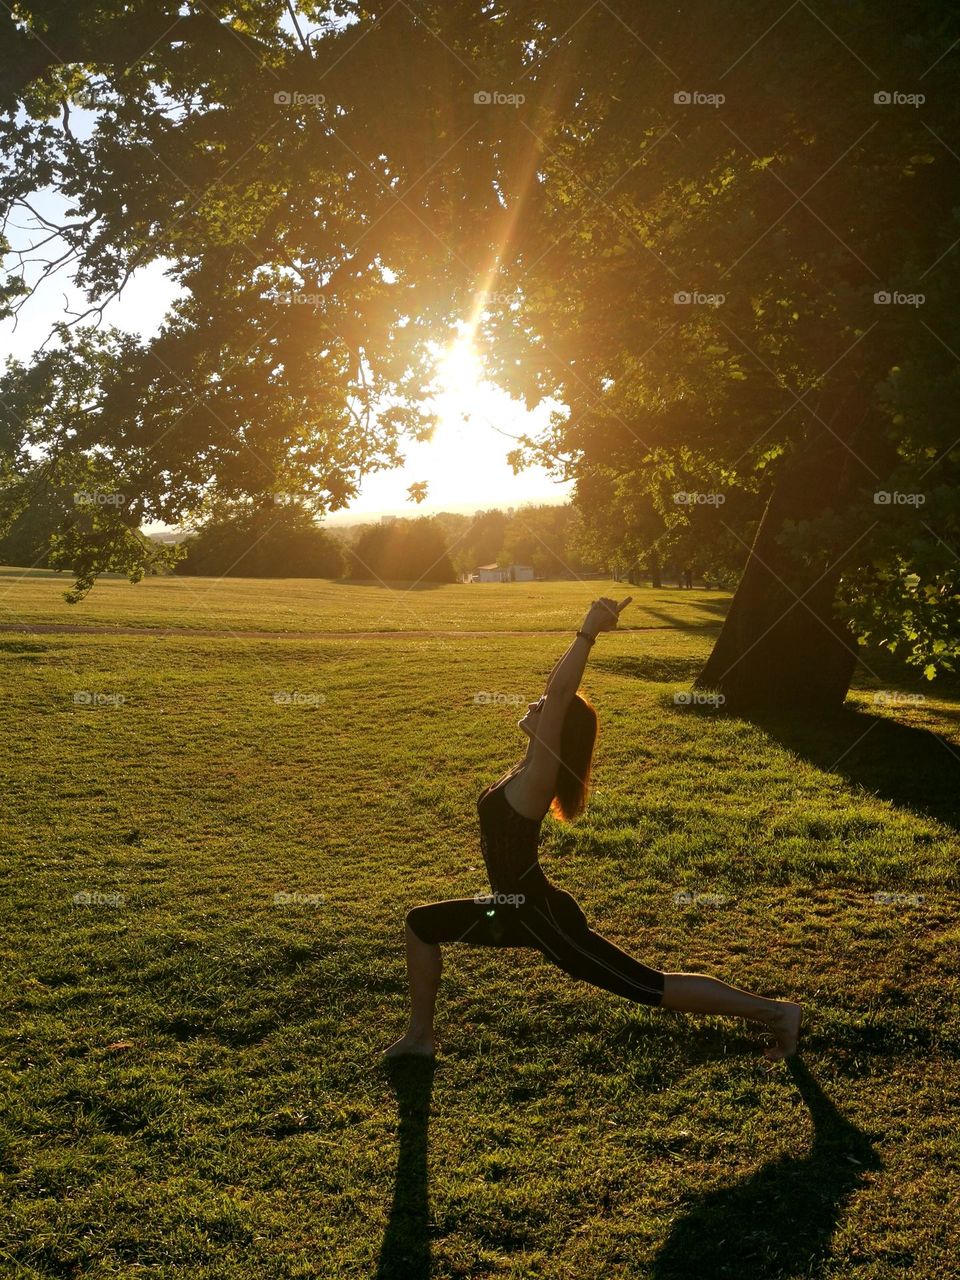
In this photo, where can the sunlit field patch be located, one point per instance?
(312, 604)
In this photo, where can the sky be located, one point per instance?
(464, 464)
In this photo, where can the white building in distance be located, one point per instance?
(502, 573)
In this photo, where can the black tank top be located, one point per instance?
(509, 844)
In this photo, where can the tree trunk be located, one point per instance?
(775, 651)
(655, 578)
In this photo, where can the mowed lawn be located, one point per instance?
(204, 890)
(309, 604)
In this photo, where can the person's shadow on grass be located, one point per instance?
(779, 1221)
(405, 1251)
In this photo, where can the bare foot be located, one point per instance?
(785, 1025)
(417, 1046)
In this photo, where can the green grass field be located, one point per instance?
(191, 1080)
(308, 604)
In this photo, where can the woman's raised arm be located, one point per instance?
(566, 675)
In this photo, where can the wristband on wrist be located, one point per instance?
(589, 639)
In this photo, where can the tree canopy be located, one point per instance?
(723, 235)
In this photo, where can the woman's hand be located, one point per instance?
(604, 614)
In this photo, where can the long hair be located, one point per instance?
(577, 738)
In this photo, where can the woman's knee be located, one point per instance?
(426, 924)
(415, 922)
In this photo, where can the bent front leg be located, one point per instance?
(424, 967)
(460, 920)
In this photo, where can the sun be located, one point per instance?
(463, 464)
(460, 380)
(466, 405)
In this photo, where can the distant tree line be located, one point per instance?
(28, 541)
(400, 551)
(266, 540)
(274, 539)
(282, 540)
(548, 537)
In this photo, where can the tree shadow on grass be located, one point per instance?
(657, 670)
(912, 768)
(405, 1251)
(711, 613)
(779, 1221)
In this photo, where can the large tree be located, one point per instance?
(698, 281)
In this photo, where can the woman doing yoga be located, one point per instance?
(525, 909)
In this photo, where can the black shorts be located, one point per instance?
(553, 925)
